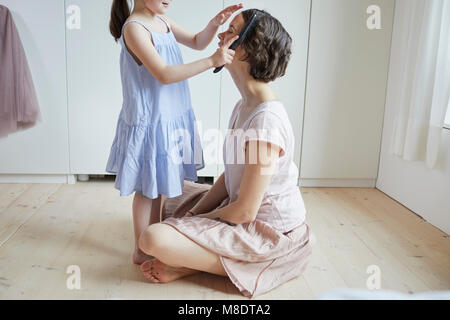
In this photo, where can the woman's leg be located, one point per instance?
(145, 212)
(178, 255)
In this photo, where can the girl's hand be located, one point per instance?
(224, 55)
(225, 14)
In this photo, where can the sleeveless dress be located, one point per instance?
(157, 145)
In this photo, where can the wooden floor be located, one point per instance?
(44, 228)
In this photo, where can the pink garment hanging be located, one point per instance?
(19, 107)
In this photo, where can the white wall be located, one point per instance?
(345, 93)
(447, 117)
(43, 149)
(424, 191)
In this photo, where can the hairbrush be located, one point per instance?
(242, 37)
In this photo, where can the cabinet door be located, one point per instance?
(348, 67)
(42, 149)
(194, 15)
(290, 89)
(95, 93)
(94, 87)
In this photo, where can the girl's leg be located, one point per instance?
(163, 199)
(143, 208)
(155, 212)
(177, 256)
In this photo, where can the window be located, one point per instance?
(447, 118)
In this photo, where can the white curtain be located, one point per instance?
(422, 34)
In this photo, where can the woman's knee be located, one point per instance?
(154, 239)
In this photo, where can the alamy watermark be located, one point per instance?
(73, 21)
(374, 20)
(73, 281)
(374, 280)
(240, 146)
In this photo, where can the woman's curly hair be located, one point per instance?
(267, 46)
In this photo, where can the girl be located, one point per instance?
(250, 225)
(146, 151)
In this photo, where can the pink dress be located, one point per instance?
(276, 247)
(19, 108)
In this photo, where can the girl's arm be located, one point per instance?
(139, 42)
(212, 198)
(202, 39)
(253, 185)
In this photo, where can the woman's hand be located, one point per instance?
(224, 55)
(188, 214)
(210, 215)
(225, 14)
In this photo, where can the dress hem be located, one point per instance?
(126, 194)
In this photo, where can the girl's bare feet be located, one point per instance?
(156, 271)
(140, 257)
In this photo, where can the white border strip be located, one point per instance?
(38, 178)
(338, 183)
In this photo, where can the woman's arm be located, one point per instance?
(253, 185)
(212, 198)
(139, 42)
(202, 39)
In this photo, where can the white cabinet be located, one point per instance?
(194, 15)
(290, 89)
(94, 86)
(43, 149)
(345, 93)
(94, 89)
(337, 140)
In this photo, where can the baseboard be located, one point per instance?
(71, 179)
(38, 178)
(338, 183)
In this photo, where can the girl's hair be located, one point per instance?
(267, 46)
(120, 11)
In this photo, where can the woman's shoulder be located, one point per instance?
(272, 116)
(236, 106)
(275, 106)
(273, 111)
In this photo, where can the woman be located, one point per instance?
(250, 225)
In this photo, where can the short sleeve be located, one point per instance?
(267, 126)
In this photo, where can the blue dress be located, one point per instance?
(157, 144)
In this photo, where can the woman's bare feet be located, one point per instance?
(140, 257)
(156, 271)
